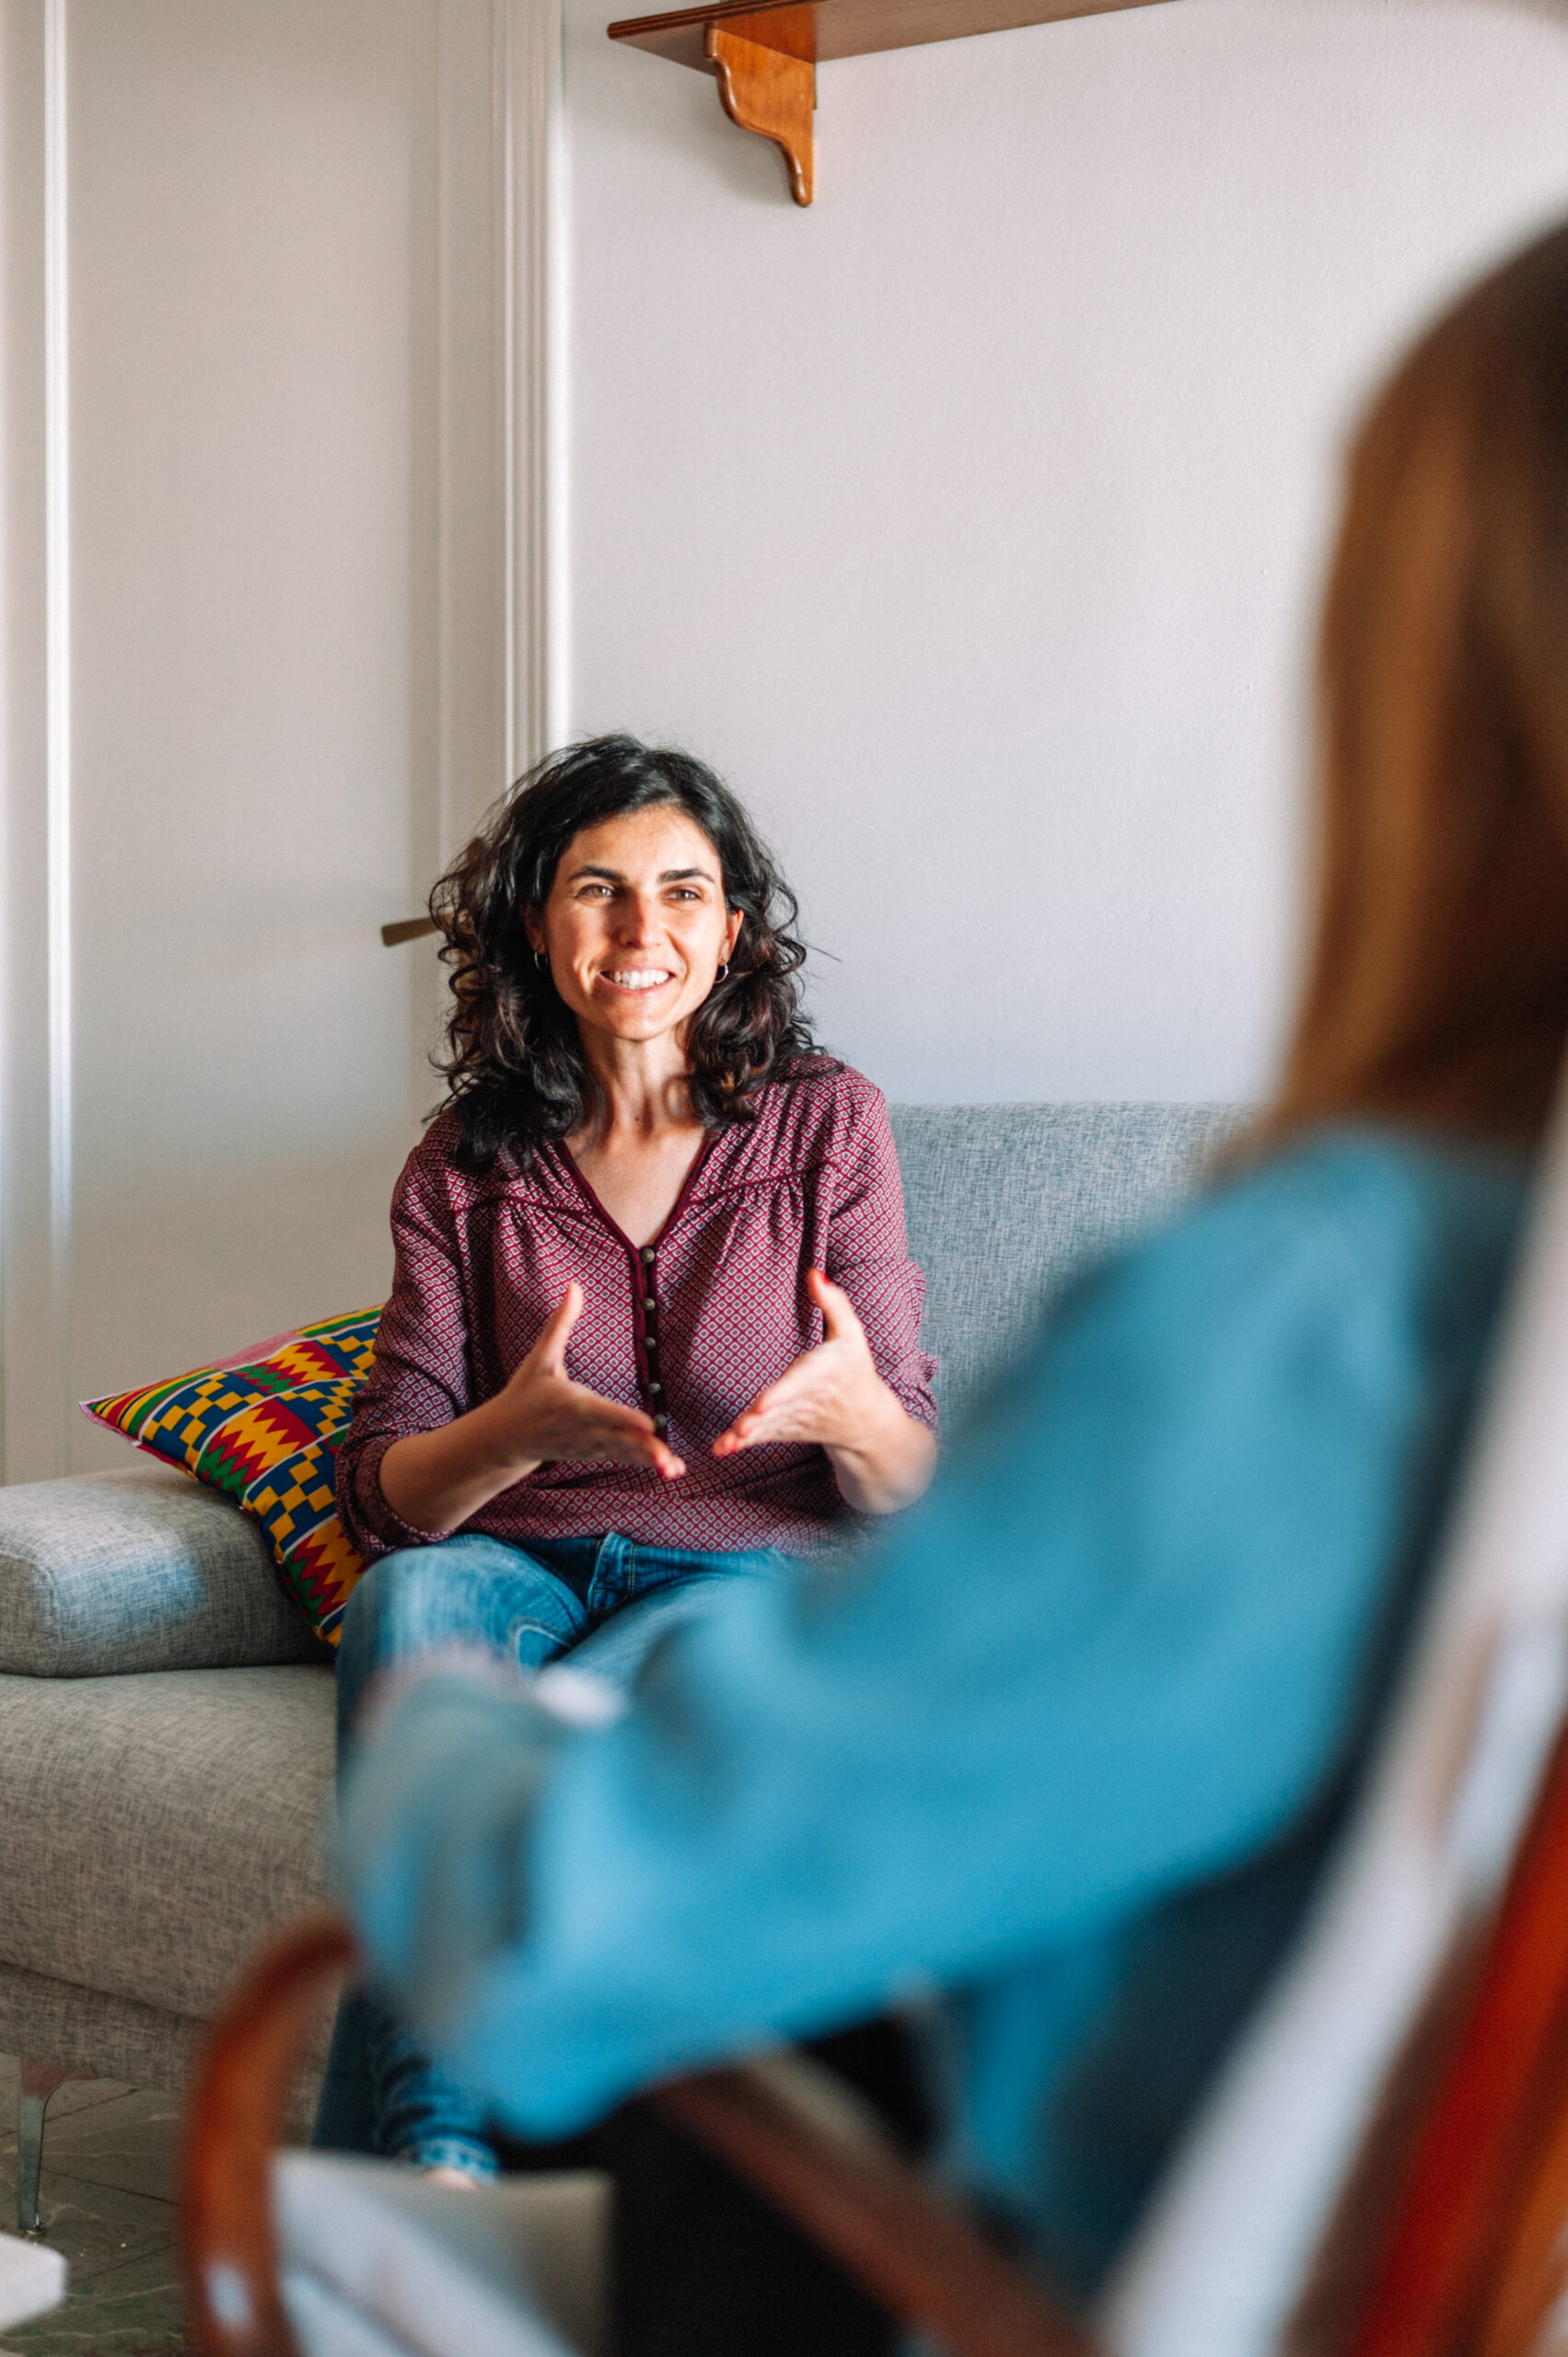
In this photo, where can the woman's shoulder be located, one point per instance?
(1351, 1184)
(1327, 1286)
(436, 1156)
(1370, 1234)
(438, 1165)
(818, 1092)
(816, 1112)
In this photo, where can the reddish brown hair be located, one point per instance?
(1437, 984)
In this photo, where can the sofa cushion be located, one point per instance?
(263, 1429)
(1005, 1201)
(136, 1570)
(154, 1828)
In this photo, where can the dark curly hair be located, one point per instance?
(514, 1058)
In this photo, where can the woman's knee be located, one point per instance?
(462, 1592)
(402, 1604)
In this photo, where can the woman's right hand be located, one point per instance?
(541, 1413)
(436, 1480)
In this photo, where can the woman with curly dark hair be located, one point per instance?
(654, 1324)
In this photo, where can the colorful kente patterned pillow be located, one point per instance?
(266, 1433)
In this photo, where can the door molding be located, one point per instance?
(36, 1100)
(60, 959)
(535, 342)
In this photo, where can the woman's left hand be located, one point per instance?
(833, 1396)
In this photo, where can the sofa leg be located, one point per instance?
(38, 2083)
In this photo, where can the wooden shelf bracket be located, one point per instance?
(768, 91)
(765, 53)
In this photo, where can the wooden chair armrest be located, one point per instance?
(1476, 2259)
(234, 2123)
(784, 2122)
(798, 2135)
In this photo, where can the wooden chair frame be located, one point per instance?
(1474, 2264)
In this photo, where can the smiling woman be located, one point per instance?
(517, 1067)
(654, 1325)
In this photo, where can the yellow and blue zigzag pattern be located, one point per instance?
(266, 1435)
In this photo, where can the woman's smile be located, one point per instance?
(636, 978)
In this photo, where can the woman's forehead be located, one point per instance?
(641, 843)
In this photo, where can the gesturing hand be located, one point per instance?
(436, 1480)
(831, 1395)
(542, 1413)
(882, 1458)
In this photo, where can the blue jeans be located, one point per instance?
(605, 1601)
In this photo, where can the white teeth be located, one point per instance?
(637, 978)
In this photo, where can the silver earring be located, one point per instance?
(541, 960)
(723, 970)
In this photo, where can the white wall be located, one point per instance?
(970, 520)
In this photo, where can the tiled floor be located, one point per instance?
(107, 2202)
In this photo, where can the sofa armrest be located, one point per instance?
(108, 1573)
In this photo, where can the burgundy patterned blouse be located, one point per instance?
(691, 1328)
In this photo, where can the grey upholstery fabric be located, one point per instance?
(104, 2037)
(1005, 1201)
(112, 2037)
(139, 1569)
(154, 1827)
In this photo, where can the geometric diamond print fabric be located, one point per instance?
(266, 1435)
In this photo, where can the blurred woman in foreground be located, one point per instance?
(1073, 1744)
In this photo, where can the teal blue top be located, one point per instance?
(1068, 1746)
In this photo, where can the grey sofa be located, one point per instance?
(165, 1723)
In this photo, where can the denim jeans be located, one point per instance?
(605, 1601)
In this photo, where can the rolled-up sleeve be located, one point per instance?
(867, 1254)
(421, 1378)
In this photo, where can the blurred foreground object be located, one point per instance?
(376, 2262)
(32, 2280)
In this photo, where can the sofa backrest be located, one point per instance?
(1005, 1201)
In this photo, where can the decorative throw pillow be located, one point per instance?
(266, 1433)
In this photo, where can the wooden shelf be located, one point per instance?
(765, 59)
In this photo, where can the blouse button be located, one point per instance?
(648, 1302)
(661, 1423)
(647, 1252)
(657, 1388)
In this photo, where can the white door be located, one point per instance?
(257, 658)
